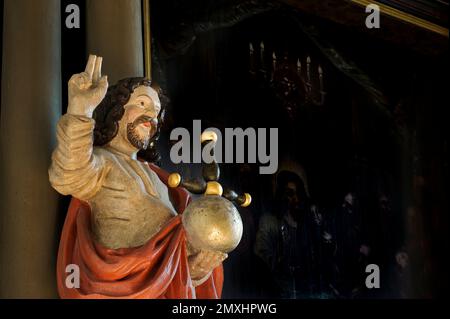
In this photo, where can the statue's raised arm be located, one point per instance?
(75, 170)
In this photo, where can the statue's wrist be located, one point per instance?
(79, 111)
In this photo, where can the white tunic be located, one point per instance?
(129, 202)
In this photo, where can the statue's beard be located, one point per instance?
(138, 141)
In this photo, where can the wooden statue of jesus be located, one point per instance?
(123, 227)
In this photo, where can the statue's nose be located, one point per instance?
(153, 121)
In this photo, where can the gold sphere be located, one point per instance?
(248, 200)
(208, 136)
(174, 180)
(212, 223)
(213, 188)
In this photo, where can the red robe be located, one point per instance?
(158, 269)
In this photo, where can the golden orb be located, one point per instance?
(212, 223)
(248, 200)
(174, 180)
(213, 188)
(208, 136)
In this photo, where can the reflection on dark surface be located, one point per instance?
(363, 175)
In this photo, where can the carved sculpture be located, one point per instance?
(124, 229)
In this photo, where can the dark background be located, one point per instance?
(382, 129)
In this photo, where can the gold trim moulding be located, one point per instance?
(385, 9)
(147, 39)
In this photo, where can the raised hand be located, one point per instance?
(87, 89)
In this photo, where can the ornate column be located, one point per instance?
(30, 108)
(114, 31)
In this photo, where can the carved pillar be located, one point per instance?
(114, 31)
(30, 108)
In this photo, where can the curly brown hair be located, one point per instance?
(110, 111)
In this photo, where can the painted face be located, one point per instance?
(141, 116)
(349, 199)
(402, 259)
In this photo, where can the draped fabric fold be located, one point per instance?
(158, 269)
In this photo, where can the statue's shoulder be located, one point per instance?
(104, 154)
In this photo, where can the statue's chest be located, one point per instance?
(134, 193)
(132, 178)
